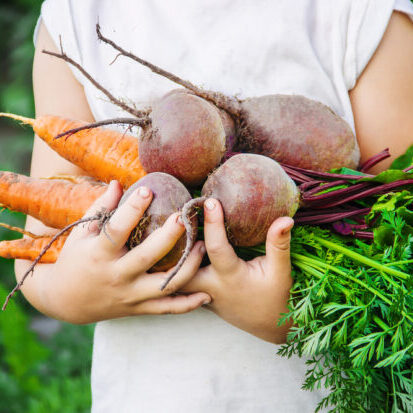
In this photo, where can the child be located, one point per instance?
(355, 56)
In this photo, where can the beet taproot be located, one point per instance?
(254, 191)
(169, 196)
(295, 130)
(187, 138)
(291, 129)
(180, 128)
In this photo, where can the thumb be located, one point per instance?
(278, 245)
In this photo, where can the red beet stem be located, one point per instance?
(309, 184)
(378, 190)
(308, 198)
(374, 160)
(326, 175)
(317, 219)
(344, 228)
(325, 186)
(363, 235)
(311, 211)
(296, 176)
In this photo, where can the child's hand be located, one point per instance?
(97, 278)
(250, 295)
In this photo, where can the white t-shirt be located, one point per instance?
(196, 362)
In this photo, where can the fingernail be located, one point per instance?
(143, 192)
(289, 223)
(210, 204)
(206, 301)
(202, 249)
(179, 220)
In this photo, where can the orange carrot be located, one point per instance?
(104, 154)
(29, 249)
(55, 202)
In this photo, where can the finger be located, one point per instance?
(173, 305)
(220, 252)
(117, 229)
(204, 280)
(153, 248)
(278, 246)
(108, 201)
(148, 286)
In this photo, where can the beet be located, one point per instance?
(180, 128)
(254, 190)
(169, 196)
(299, 131)
(290, 129)
(187, 138)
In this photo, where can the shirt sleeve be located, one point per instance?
(367, 23)
(58, 18)
(404, 6)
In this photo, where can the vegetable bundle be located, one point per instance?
(352, 308)
(352, 301)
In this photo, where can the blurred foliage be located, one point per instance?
(17, 22)
(36, 375)
(42, 376)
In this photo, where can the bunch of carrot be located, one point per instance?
(102, 153)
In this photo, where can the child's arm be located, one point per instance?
(252, 295)
(382, 99)
(94, 279)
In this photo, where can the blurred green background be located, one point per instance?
(44, 365)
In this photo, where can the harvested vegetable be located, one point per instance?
(254, 191)
(183, 128)
(169, 196)
(29, 249)
(101, 153)
(351, 304)
(352, 309)
(290, 129)
(101, 217)
(162, 206)
(179, 126)
(55, 202)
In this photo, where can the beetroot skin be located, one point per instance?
(291, 129)
(187, 138)
(298, 131)
(254, 191)
(169, 196)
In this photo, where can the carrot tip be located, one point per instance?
(27, 121)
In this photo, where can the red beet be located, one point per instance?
(290, 129)
(187, 138)
(254, 191)
(169, 196)
(182, 135)
(298, 131)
